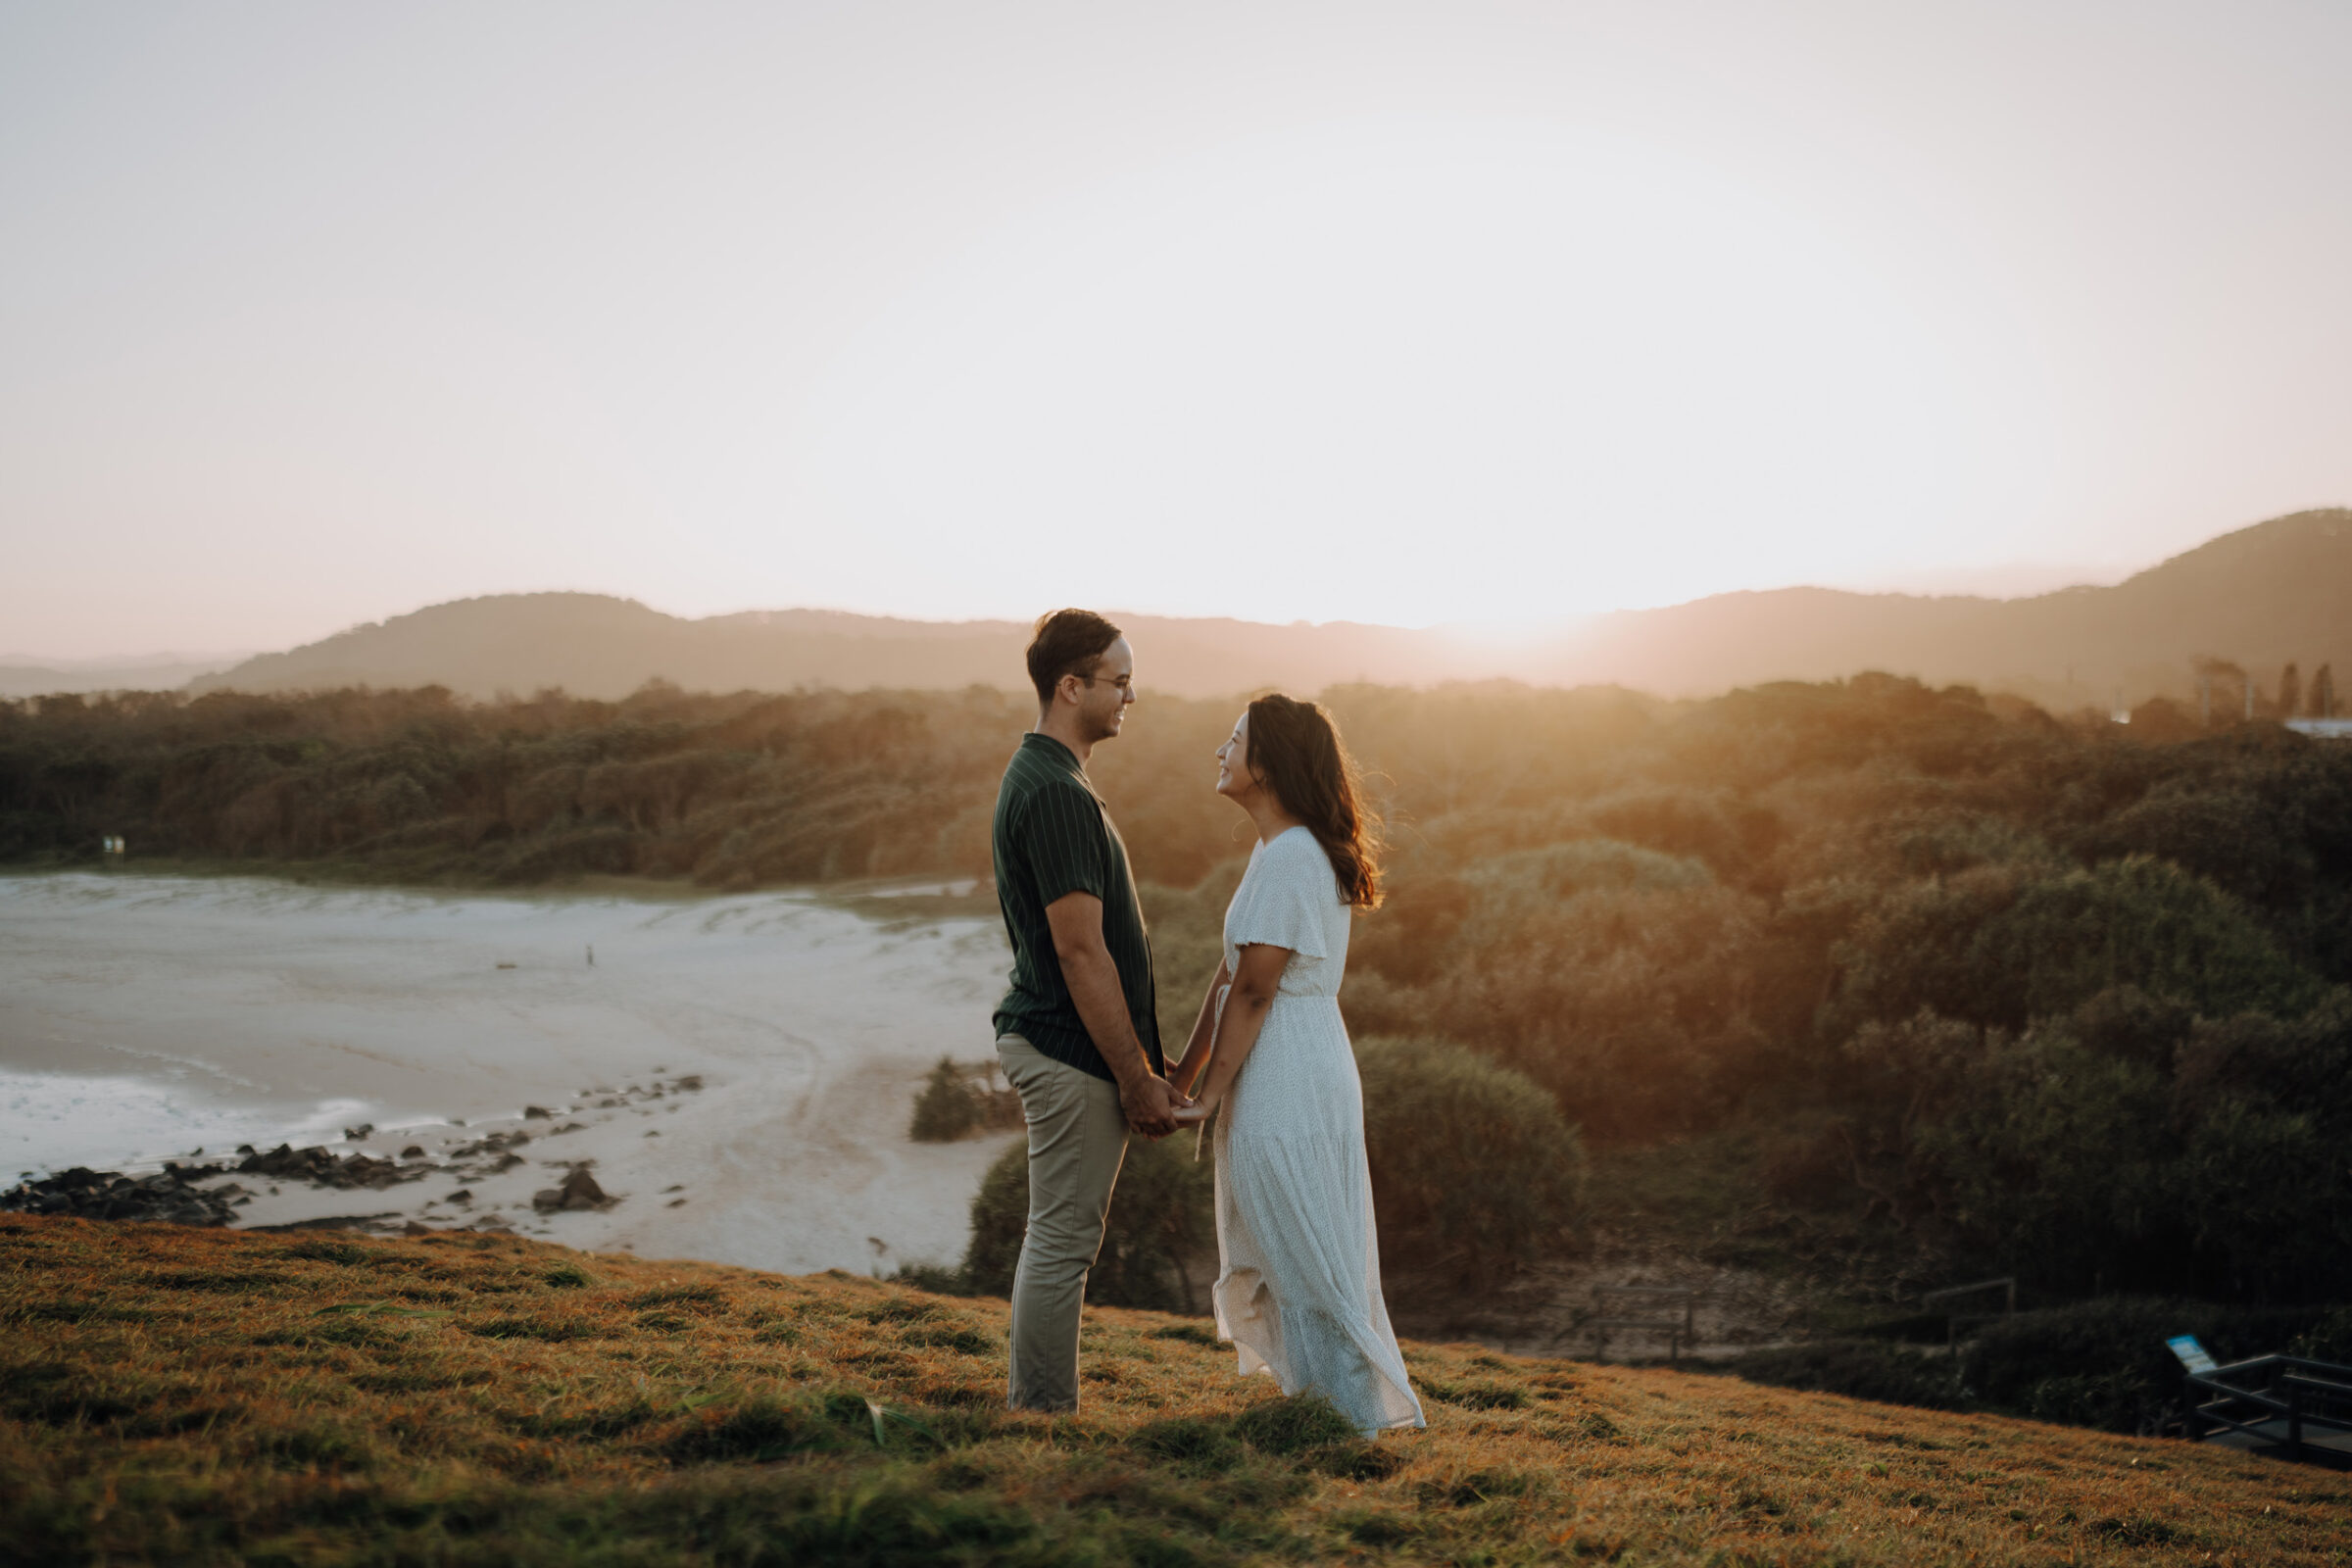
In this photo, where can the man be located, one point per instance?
(1077, 1032)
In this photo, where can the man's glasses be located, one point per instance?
(1125, 683)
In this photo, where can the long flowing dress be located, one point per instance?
(1298, 1281)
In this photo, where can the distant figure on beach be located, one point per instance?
(1299, 1262)
(1076, 1033)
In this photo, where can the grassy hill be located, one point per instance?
(189, 1396)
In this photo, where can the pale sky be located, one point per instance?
(312, 314)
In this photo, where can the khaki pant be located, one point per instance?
(1077, 1137)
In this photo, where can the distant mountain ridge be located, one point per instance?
(38, 677)
(2260, 596)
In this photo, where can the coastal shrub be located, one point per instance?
(1474, 1173)
(947, 1109)
(2125, 1145)
(2328, 1339)
(2105, 1362)
(1999, 946)
(1625, 985)
(1860, 1369)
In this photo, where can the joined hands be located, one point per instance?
(1156, 1108)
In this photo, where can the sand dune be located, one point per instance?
(142, 1017)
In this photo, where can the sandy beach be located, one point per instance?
(146, 1017)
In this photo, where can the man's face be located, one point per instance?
(1103, 701)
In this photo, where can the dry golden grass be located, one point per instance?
(192, 1397)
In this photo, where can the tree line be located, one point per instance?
(1978, 988)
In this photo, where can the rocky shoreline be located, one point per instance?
(182, 1194)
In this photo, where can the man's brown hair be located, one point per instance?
(1066, 642)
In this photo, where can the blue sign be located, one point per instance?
(2192, 1354)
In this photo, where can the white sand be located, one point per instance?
(142, 1017)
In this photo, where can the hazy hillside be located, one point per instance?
(2265, 594)
(2278, 591)
(181, 1395)
(594, 646)
(32, 677)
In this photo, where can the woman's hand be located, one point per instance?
(1193, 1114)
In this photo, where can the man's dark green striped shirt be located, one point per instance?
(1054, 838)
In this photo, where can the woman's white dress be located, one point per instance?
(1299, 1284)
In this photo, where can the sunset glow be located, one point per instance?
(1410, 316)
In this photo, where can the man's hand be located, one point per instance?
(1150, 1103)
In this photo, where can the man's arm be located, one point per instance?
(1094, 990)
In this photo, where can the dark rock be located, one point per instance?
(579, 1190)
(412, 1152)
(354, 1134)
(462, 1196)
(325, 1168)
(491, 1144)
(691, 1082)
(548, 1200)
(414, 1228)
(537, 1113)
(85, 1193)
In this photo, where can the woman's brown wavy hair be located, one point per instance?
(1296, 750)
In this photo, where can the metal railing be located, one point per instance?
(2287, 1394)
(1677, 1333)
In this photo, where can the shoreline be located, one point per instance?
(442, 1016)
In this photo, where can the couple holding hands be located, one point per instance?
(1298, 1286)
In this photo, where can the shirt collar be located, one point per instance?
(1055, 750)
(1059, 755)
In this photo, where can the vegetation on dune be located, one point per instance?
(184, 1396)
(1925, 985)
(1473, 1172)
(1476, 1177)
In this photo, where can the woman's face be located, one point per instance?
(1233, 762)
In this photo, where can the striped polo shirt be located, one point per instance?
(1054, 838)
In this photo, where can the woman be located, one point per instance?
(1298, 1287)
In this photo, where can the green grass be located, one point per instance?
(213, 1398)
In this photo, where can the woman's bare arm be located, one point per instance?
(1186, 1068)
(1254, 983)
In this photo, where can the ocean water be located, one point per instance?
(53, 1122)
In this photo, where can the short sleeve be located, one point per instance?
(1063, 836)
(1286, 898)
